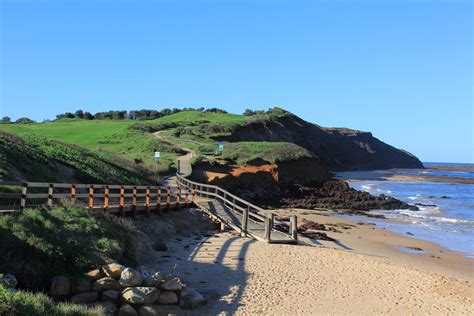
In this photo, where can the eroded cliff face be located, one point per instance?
(337, 148)
(260, 177)
(301, 183)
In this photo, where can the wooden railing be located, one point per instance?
(247, 210)
(110, 198)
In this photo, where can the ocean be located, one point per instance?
(446, 214)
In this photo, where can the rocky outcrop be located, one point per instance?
(337, 194)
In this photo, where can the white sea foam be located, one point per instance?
(367, 187)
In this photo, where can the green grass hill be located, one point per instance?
(112, 151)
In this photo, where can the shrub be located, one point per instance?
(41, 243)
(38, 304)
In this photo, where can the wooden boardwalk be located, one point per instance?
(255, 229)
(223, 206)
(242, 216)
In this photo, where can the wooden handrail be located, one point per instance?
(113, 198)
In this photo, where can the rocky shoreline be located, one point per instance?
(331, 194)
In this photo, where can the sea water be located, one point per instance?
(446, 210)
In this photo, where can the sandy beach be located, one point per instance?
(365, 272)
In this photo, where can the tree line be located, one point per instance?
(131, 115)
(117, 115)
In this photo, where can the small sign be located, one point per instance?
(157, 155)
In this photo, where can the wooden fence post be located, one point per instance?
(147, 201)
(177, 196)
(24, 189)
(91, 196)
(158, 200)
(168, 198)
(134, 201)
(294, 227)
(245, 221)
(73, 194)
(106, 198)
(122, 201)
(186, 198)
(194, 194)
(268, 229)
(50, 195)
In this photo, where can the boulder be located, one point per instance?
(8, 280)
(60, 286)
(113, 270)
(95, 274)
(140, 295)
(152, 278)
(173, 284)
(160, 310)
(105, 284)
(110, 296)
(168, 298)
(85, 298)
(130, 277)
(127, 310)
(81, 285)
(109, 308)
(191, 298)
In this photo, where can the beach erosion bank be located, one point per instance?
(365, 271)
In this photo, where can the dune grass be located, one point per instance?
(38, 304)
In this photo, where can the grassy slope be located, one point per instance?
(33, 157)
(115, 141)
(39, 244)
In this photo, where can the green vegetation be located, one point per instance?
(38, 304)
(37, 158)
(243, 152)
(41, 243)
(113, 150)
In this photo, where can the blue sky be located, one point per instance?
(400, 69)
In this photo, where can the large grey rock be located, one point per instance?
(105, 284)
(8, 280)
(81, 285)
(109, 308)
(95, 274)
(140, 295)
(191, 298)
(173, 284)
(130, 277)
(168, 298)
(160, 310)
(127, 310)
(113, 270)
(60, 286)
(152, 278)
(110, 296)
(85, 298)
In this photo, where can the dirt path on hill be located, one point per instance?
(184, 161)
